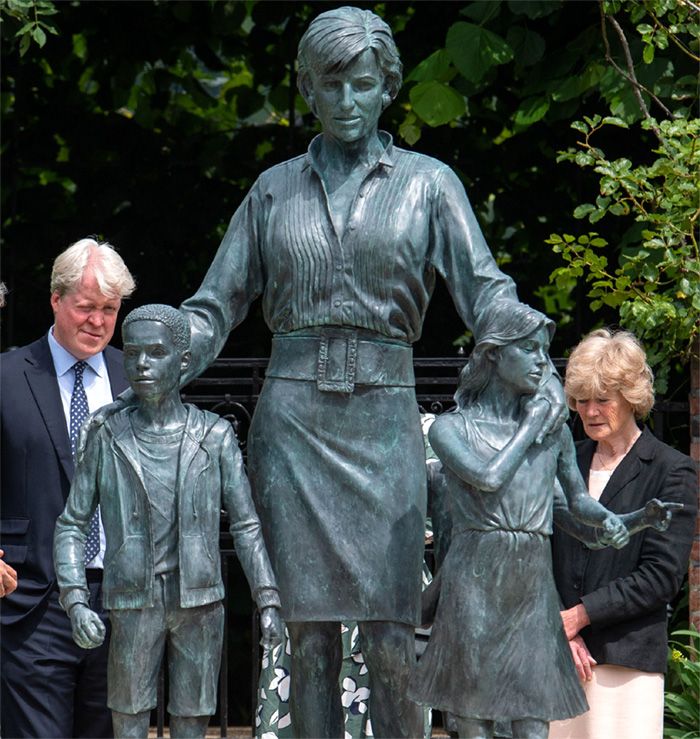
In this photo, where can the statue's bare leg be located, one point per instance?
(317, 655)
(530, 728)
(131, 725)
(389, 651)
(188, 727)
(472, 728)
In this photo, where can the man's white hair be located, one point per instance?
(113, 277)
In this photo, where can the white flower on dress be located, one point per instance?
(281, 683)
(354, 699)
(358, 659)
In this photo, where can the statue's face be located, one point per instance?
(522, 363)
(349, 103)
(152, 362)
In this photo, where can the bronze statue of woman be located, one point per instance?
(344, 244)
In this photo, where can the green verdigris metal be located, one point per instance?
(498, 652)
(161, 472)
(344, 245)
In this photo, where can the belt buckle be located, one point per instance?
(337, 363)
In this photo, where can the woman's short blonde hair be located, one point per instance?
(606, 361)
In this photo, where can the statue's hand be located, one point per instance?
(88, 629)
(658, 514)
(615, 533)
(271, 626)
(95, 420)
(553, 391)
(536, 409)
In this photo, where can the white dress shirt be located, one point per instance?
(98, 391)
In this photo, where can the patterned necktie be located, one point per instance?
(79, 411)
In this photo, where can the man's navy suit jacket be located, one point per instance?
(37, 468)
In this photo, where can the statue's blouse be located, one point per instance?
(410, 219)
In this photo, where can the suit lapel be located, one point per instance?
(624, 473)
(43, 384)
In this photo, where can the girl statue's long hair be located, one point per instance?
(504, 322)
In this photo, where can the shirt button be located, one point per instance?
(336, 303)
(577, 586)
(338, 267)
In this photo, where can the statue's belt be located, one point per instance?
(337, 361)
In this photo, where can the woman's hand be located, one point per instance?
(574, 619)
(583, 659)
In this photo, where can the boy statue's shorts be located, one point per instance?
(194, 637)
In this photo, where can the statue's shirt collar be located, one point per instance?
(386, 158)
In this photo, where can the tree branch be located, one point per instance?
(630, 76)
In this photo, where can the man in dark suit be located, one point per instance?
(49, 687)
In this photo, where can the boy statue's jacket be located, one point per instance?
(210, 476)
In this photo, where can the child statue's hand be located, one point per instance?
(88, 629)
(271, 626)
(615, 533)
(658, 514)
(536, 409)
(553, 391)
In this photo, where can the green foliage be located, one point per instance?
(650, 275)
(32, 17)
(682, 695)
(654, 281)
(147, 122)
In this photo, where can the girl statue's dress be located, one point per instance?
(497, 650)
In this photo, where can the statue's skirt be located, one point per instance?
(339, 481)
(497, 650)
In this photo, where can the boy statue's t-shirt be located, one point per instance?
(159, 456)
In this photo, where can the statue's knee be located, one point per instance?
(316, 651)
(390, 656)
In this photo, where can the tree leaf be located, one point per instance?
(533, 8)
(474, 50)
(436, 103)
(531, 111)
(528, 46)
(438, 66)
(38, 35)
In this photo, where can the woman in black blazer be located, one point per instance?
(615, 601)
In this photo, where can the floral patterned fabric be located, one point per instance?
(273, 719)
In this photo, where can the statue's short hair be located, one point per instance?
(336, 38)
(504, 322)
(175, 321)
(113, 277)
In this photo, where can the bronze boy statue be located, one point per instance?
(161, 472)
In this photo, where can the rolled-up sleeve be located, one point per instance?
(460, 253)
(233, 281)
